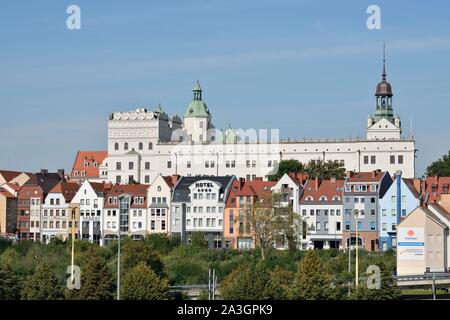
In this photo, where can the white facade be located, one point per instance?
(151, 142)
(55, 217)
(290, 191)
(159, 199)
(91, 210)
(35, 218)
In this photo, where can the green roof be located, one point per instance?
(197, 109)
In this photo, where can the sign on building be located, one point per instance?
(411, 244)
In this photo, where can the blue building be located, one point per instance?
(399, 201)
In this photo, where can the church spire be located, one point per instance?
(384, 62)
(197, 91)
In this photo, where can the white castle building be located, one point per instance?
(143, 144)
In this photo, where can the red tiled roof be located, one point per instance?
(372, 176)
(100, 187)
(88, 157)
(13, 186)
(133, 190)
(254, 188)
(172, 180)
(439, 183)
(7, 194)
(10, 175)
(327, 188)
(298, 177)
(410, 184)
(67, 189)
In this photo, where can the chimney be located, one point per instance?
(61, 174)
(241, 183)
(175, 178)
(44, 172)
(317, 183)
(350, 174)
(374, 173)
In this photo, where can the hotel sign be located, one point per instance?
(410, 244)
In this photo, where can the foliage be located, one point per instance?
(440, 167)
(287, 166)
(133, 252)
(10, 284)
(42, 285)
(325, 170)
(311, 281)
(97, 281)
(289, 225)
(141, 283)
(198, 240)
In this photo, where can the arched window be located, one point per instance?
(150, 146)
(125, 146)
(336, 198)
(323, 198)
(309, 198)
(141, 146)
(159, 188)
(116, 146)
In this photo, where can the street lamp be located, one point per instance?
(73, 245)
(356, 211)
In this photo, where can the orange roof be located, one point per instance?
(254, 188)
(67, 189)
(435, 186)
(9, 175)
(133, 190)
(7, 194)
(298, 177)
(85, 162)
(100, 186)
(327, 188)
(372, 176)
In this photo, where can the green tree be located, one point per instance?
(97, 281)
(248, 282)
(287, 166)
(288, 226)
(311, 282)
(141, 283)
(198, 240)
(388, 289)
(10, 285)
(325, 170)
(440, 167)
(134, 252)
(43, 284)
(280, 283)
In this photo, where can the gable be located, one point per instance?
(383, 125)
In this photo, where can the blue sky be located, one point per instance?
(309, 68)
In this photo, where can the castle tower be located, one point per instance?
(197, 119)
(384, 125)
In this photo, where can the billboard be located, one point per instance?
(410, 243)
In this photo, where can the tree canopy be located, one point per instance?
(141, 283)
(314, 168)
(440, 167)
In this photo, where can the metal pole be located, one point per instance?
(209, 284)
(214, 285)
(72, 277)
(118, 256)
(434, 286)
(357, 245)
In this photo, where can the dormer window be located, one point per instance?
(309, 198)
(323, 198)
(86, 164)
(434, 188)
(336, 198)
(445, 188)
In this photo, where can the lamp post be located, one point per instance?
(118, 260)
(357, 243)
(73, 246)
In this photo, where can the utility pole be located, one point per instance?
(72, 277)
(357, 244)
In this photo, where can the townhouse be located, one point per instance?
(8, 213)
(321, 209)
(434, 188)
(90, 200)
(244, 197)
(56, 210)
(29, 202)
(198, 206)
(402, 197)
(290, 188)
(159, 200)
(362, 192)
(125, 208)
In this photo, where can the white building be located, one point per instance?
(144, 144)
(290, 186)
(55, 219)
(159, 200)
(198, 205)
(321, 209)
(90, 198)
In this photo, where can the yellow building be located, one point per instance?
(74, 220)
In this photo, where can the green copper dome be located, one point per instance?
(197, 108)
